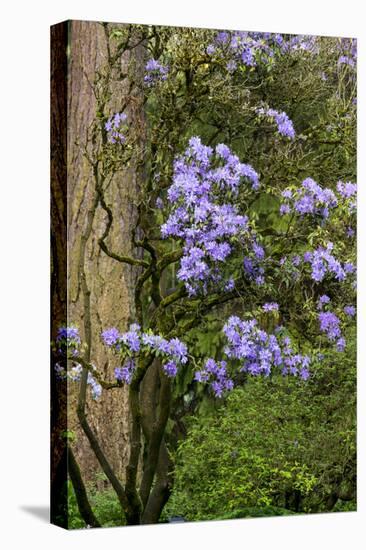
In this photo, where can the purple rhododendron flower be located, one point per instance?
(304, 373)
(248, 49)
(341, 344)
(230, 285)
(71, 334)
(284, 124)
(347, 190)
(155, 72)
(111, 336)
(170, 369)
(350, 311)
(329, 323)
(125, 373)
(259, 351)
(285, 209)
(324, 299)
(116, 128)
(270, 306)
(204, 217)
(309, 199)
(134, 342)
(96, 388)
(324, 263)
(215, 373)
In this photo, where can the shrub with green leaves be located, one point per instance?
(275, 444)
(104, 503)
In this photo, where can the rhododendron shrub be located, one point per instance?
(245, 221)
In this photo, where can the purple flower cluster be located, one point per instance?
(96, 388)
(73, 371)
(70, 334)
(132, 338)
(348, 192)
(68, 342)
(125, 373)
(270, 306)
(133, 342)
(110, 336)
(229, 285)
(253, 269)
(170, 369)
(329, 323)
(285, 126)
(116, 128)
(155, 72)
(324, 299)
(240, 48)
(203, 179)
(309, 198)
(323, 262)
(350, 311)
(300, 43)
(159, 203)
(345, 60)
(215, 373)
(260, 352)
(348, 50)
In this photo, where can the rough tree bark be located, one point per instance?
(58, 262)
(111, 284)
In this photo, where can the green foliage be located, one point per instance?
(253, 512)
(104, 503)
(69, 435)
(75, 521)
(275, 443)
(275, 446)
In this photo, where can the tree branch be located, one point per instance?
(94, 443)
(101, 241)
(162, 489)
(156, 436)
(135, 440)
(85, 509)
(168, 259)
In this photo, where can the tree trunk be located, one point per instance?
(111, 284)
(58, 263)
